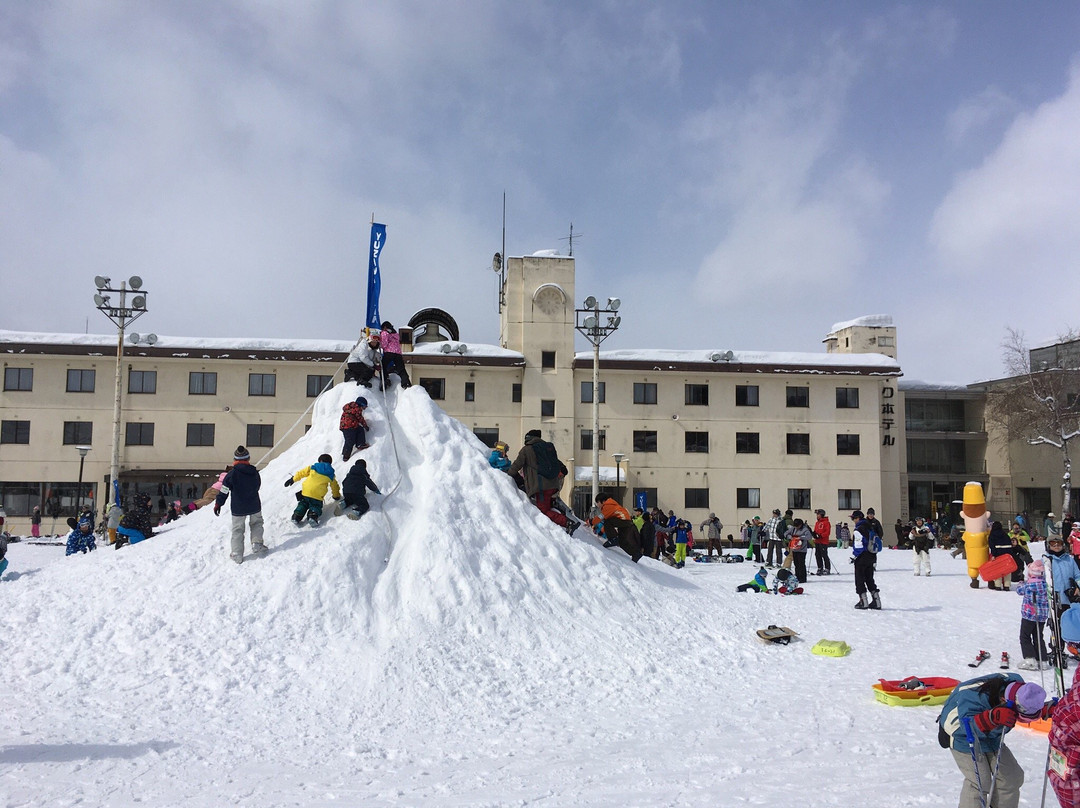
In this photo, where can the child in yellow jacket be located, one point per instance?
(317, 478)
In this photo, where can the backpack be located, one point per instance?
(547, 461)
(873, 542)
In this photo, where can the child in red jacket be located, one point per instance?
(353, 427)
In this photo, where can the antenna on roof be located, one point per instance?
(570, 239)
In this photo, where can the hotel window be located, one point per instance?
(142, 381)
(747, 443)
(798, 443)
(21, 379)
(262, 384)
(847, 444)
(746, 395)
(798, 396)
(697, 394)
(644, 392)
(697, 442)
(202, 383)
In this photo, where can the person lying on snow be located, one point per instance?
(759, 584)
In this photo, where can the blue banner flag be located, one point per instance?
(374, 281)
(641, 500)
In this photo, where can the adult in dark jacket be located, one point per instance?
(242, 483)
(538, 488)
(1000, 545)
(355, 486)
(135, 526)
(874, 524)
(648, 536)
(864, 557)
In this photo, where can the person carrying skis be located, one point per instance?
(242, 482)
(317, 478)
(865, 545)
(972, 725)
(355, 486)
(353, 427)
(822, 540)
(363, 361)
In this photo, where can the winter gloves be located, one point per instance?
(289, 482)
(1048, 709)
(217, 509)
(996, 717)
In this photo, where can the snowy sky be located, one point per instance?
(920, 160)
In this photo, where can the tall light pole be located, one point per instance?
(82, 459)
(618, 457)
(597, 324)
(121, 314)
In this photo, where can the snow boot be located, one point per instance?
(875, 603)
(974, 583)
(260, 550)
(239, 559)
(864, 602)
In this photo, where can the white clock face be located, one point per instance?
(549, 300)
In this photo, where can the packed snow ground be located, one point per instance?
(453, 648)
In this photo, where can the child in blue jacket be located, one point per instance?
(81, 538)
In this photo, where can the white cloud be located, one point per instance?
(796, 211)
(974, 114)
(1015, 215)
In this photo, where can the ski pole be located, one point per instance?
(997, 762)
(966, 721)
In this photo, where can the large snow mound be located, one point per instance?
(453, 647)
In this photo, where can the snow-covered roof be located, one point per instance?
(451, 347)
(918, 384)
(866, 321)
(163, 341)
(787, 358)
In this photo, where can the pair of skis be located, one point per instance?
(982, 656)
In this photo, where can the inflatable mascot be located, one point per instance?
(976, 530)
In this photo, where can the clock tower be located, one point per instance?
(537, 320)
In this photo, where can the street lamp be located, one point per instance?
(618, 457)
(82, 459)
(121, 314)
(597, 324)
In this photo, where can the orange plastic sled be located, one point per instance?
(998, 567)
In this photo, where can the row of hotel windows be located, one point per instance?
(81, 433)
(200, 383)
(745, 442)
(798, 499)
(746, 395)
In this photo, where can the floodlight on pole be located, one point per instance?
(82, 459)
(121, 315)
(588, 322)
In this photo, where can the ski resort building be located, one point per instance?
(734, 432)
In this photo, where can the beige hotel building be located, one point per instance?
(737, 432)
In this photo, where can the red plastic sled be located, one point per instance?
(931, 685)
(998, 567)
